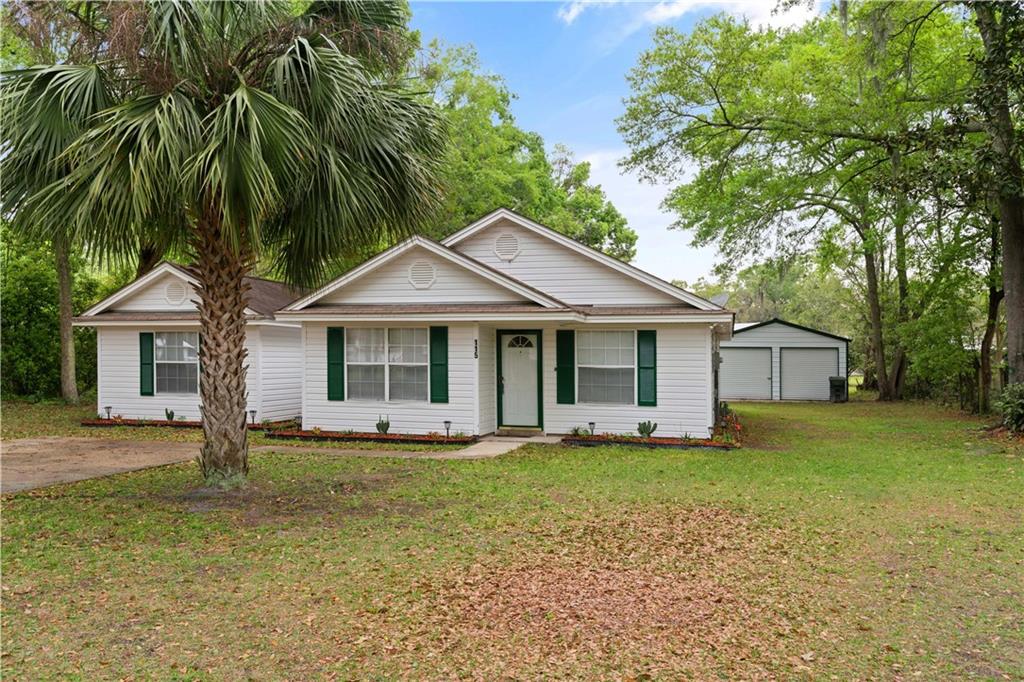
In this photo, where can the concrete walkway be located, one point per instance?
(38, 462)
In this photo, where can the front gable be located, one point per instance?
(169, 292)
(562, 267)
(422, 271)
(421, 276)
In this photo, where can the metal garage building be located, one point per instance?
(779, 360)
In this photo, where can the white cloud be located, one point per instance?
(760, 13)
(660, 251)
(569, 11)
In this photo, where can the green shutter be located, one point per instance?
(335, 363)
(565, 366)
(647, 367)
(439, 364)
(145, 363)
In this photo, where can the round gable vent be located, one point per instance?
(175, 292)
(506, 246)
(422, 274)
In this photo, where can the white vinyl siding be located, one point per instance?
(406, 416)
(487, 380)
(273, 376)
(684, 389)
(390, 284)
(280, 372)
(118, 380)
(561, 272)
(779, 336)
(745, 374)
(152, 297)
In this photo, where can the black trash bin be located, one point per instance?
(837, 389)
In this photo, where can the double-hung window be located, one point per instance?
(176, 362)
(606, 367)
(387, 363)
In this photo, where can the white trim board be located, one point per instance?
(624, 268)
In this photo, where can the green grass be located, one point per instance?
(21, 419)
(844, 541)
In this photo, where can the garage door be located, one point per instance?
(805, 372)
(745, 374)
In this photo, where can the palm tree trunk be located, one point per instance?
(149, 256)
(68, 382)
(225, 454)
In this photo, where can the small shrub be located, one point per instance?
(1011, 405)
(169, 414)
(383, 425)
(645, 429)
(579, 431)
(315, 431)
(723, 408)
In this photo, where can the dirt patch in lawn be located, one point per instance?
(315, 499)
(655, 592)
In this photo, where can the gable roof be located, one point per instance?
(741, 327)
(265, 296)
(603, 258)
(461, 260)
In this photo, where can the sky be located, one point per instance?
(567, 63)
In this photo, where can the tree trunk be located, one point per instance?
(901, 215)
(995, 295)
(877, 344)
(68, 380)
(149, 256)
(222, 293)
(999, 124)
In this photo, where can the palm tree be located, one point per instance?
(242, 132)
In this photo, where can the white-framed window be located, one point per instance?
(387, 363)
(606, 367)
(176, 362)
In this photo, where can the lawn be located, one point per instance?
(844, 541)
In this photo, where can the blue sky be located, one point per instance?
(567, 63)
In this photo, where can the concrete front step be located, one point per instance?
(519, 432)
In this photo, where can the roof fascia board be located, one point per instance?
(794, 325)
(614, 263)
(437, 249)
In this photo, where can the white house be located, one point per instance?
(506, 324)
(147, 338)
(779, 360)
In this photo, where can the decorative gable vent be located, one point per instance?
(175, 292)
(506, 246)
(422, 274)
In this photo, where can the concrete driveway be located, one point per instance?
(38, 462)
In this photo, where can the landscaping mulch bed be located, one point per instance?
(652, 442)
(341, 437)
(176, 424)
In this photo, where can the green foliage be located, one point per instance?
(835, 157)
(383, 424)
(492, 162)
(646, 428)
(169, 414)
(243, 119)
(1011, 406)
(29, 337)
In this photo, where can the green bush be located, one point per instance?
(30, 334)
(1011, 405)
